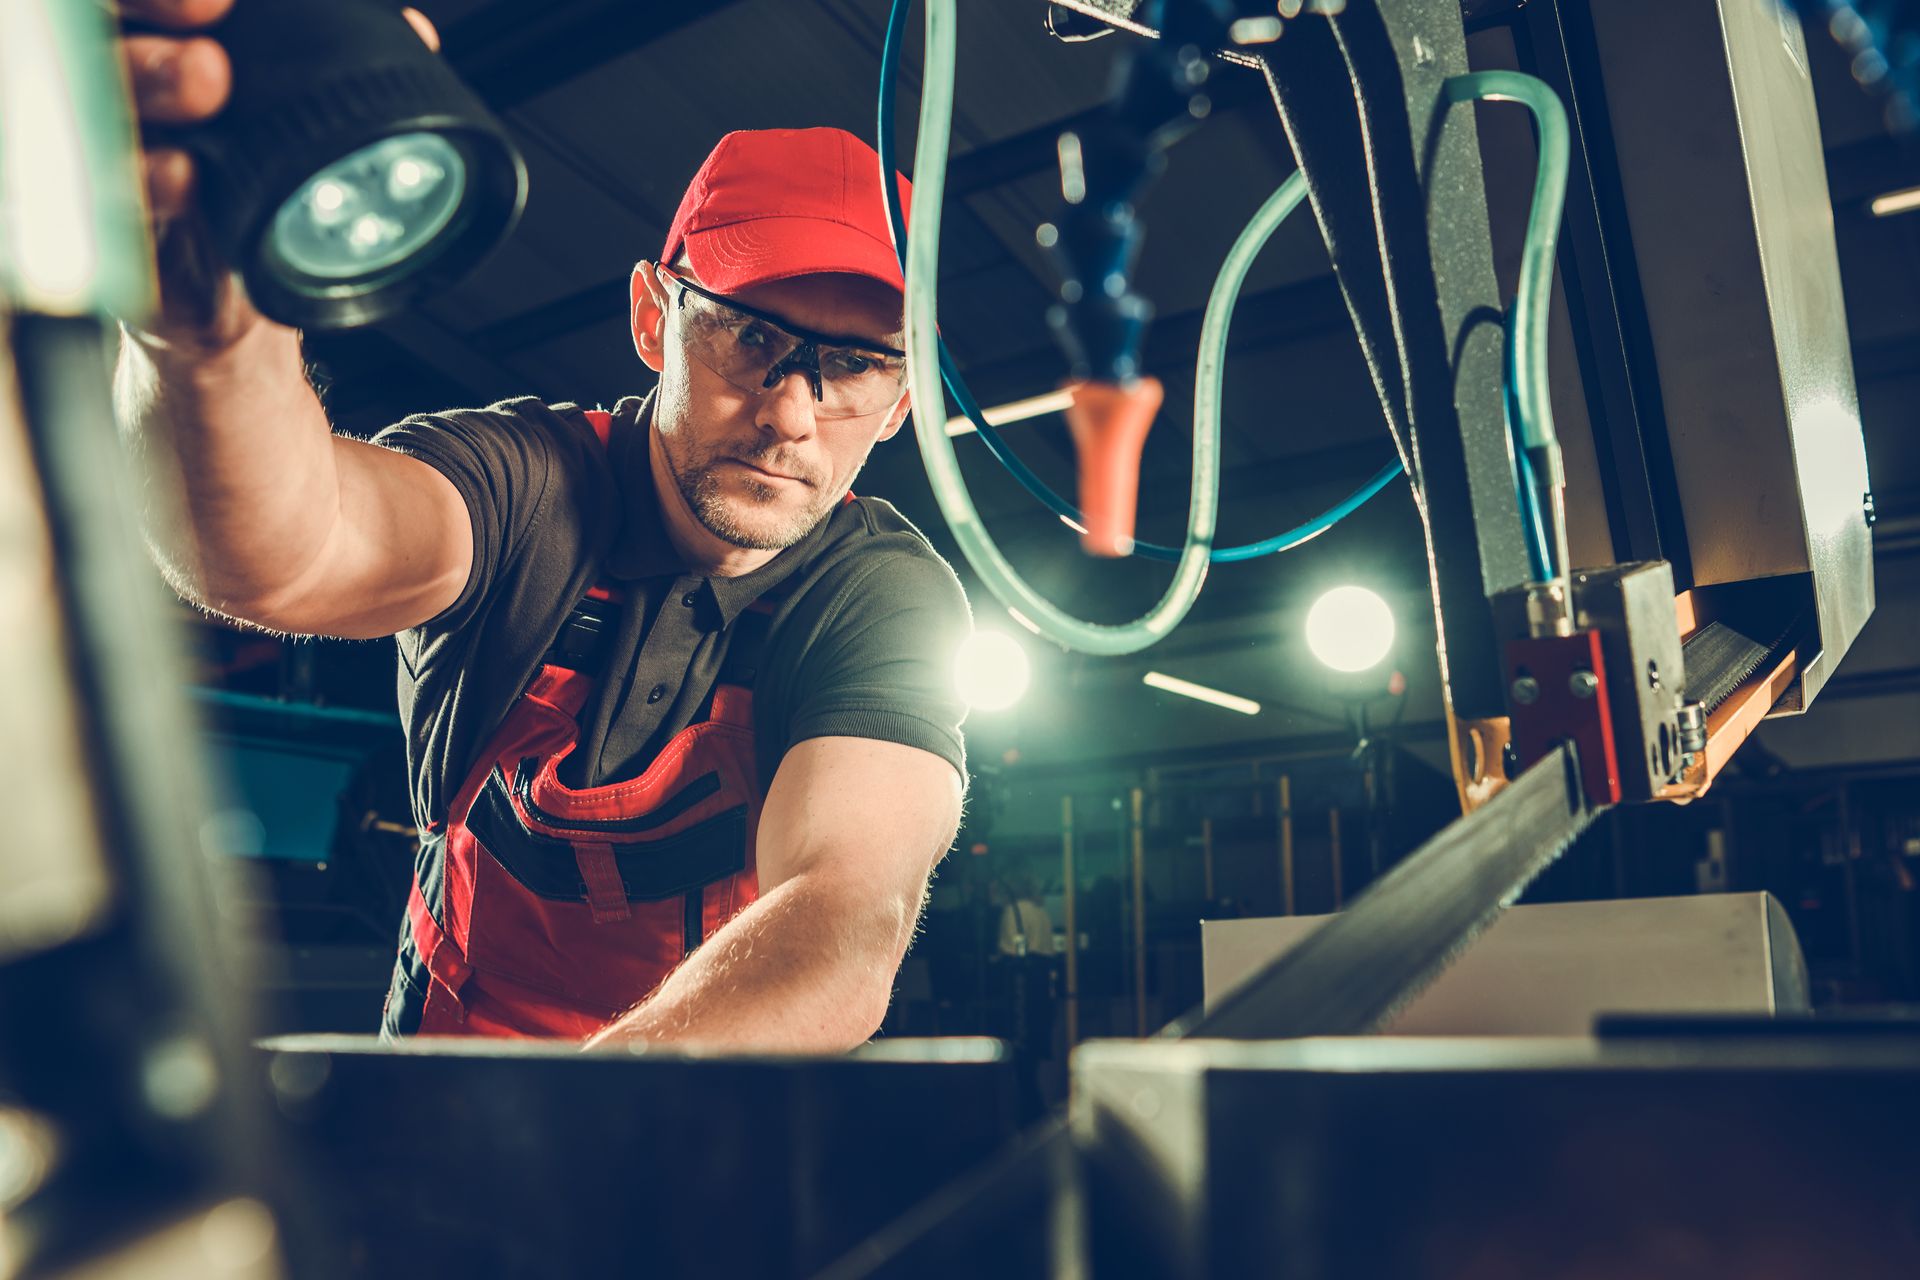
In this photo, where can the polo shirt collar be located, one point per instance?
(641, 547)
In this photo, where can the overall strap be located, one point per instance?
(588, 630)
(587, 633)
(602, 423)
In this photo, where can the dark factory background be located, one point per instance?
(1297, 806)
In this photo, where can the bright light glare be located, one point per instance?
(991, 671)
(48, 211)
(1350, 628)
(413, 179)
(1262, 30)
(371, 230)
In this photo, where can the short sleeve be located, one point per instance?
(504, 461)
(540, 496)
(882, 667)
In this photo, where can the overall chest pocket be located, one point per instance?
(596, 910)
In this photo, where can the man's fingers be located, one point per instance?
(169, 183)
(423, 26)
(177, 81)
(175, 13)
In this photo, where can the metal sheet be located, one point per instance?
(1739, 1155)
(1713, 116)
(1551, 968)
(531, 1159)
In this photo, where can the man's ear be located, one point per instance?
(648, 315)
(896, 418)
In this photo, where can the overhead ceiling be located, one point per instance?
(616, 104)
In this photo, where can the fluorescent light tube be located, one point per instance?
(1017, 411)
(1883, 207)
(1200, 692)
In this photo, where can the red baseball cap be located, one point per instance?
(771, 204)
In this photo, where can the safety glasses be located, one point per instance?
(754, 351)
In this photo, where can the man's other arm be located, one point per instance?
(849, 835)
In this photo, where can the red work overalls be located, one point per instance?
(559, 909)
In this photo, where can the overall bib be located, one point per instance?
(555, 910)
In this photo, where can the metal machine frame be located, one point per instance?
(1412, 251)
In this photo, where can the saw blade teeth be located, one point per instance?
(1720, 658)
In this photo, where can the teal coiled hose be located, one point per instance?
(926, 369)
(936, 448)
(963, 397)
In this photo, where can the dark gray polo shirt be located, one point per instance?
(866, 618)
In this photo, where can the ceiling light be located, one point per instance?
(1013, 411)
(991, 671)
(1200, 692)
(1893, 202)
(351, 172)
(1350, 628)
(1261, 30)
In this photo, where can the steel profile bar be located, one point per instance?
(1356, 970)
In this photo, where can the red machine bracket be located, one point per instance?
(1557, 689)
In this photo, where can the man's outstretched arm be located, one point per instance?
(256, 510)
(850, 833)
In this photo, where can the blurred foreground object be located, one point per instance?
(129, 1135)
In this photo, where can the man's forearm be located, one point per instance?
(808, 968)
(237, 460)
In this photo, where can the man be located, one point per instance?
(681, 736)
(1025, 927)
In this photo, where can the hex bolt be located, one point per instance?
(1583, 684)
(1526, 691)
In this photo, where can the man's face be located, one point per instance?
(760, 470)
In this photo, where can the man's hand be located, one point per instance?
(181, 76)
(850, 832)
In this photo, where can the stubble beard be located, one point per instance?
(703, 489)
